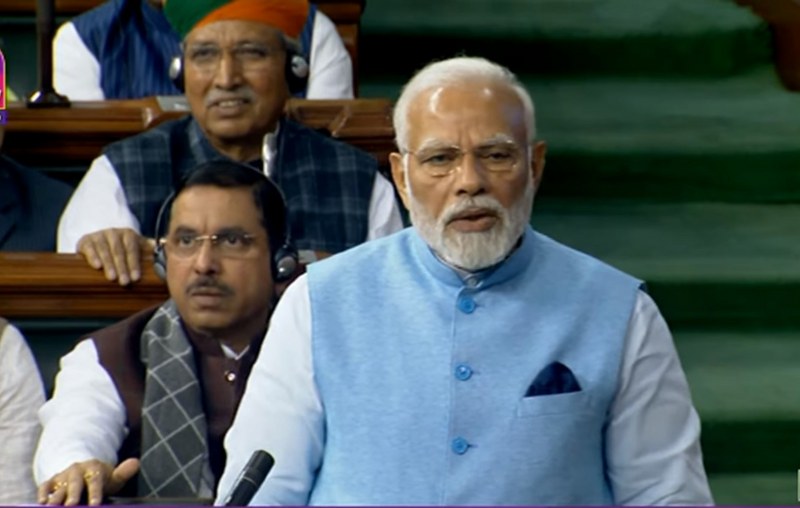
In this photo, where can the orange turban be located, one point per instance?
(288, 16)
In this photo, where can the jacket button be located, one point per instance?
(460, 445)
(463, 372)
(466, 305)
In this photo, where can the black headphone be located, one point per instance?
(296, 71)
(284, 260)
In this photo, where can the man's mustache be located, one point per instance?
(486, 203)
(209, 283)
(216, 95)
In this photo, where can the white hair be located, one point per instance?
(453, 71)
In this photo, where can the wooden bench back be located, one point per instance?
(49, 285)
(74, 136)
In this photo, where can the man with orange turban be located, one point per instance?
(239, 67)
(97, 52)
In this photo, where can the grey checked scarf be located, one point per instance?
(174, 458)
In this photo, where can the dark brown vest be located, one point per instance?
(222, 381)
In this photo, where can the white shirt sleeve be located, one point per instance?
(296, 432)
(330, 73)
(98, 203)
(76, 72)
(384, 215)
(653, 437)
(21, 396)
(84, 420)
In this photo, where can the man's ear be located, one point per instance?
(398, 175)
(537, 162)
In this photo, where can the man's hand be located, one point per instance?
(118, 252)
(99, 478)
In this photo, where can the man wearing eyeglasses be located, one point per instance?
(468, 360)
(155, 393)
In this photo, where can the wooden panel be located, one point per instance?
(63, 7)
(784, 18)
(44, 285)
(365, 123)
(774, 11)
(786, 39)
(76, 135)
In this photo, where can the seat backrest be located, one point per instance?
(77, 134)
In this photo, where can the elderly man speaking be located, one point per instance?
(239, 67)
(469, 359)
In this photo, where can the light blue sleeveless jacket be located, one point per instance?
(423, 375)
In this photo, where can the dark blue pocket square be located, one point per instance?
(554, 379)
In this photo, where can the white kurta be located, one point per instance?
(21, 396)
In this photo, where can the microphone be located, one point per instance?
(250, 479)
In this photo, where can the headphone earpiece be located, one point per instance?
(299, 67)
(297, 70)
(284, 263)
(159, 254)
(160, 261)
(176, 72)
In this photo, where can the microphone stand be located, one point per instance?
(46, 96)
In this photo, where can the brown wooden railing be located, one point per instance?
(48, 285)
(63, 7)
(76, 135)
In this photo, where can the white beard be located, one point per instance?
(474, 250)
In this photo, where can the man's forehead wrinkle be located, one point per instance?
(499, 138)
(433, 143)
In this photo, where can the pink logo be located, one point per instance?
(2, 89)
